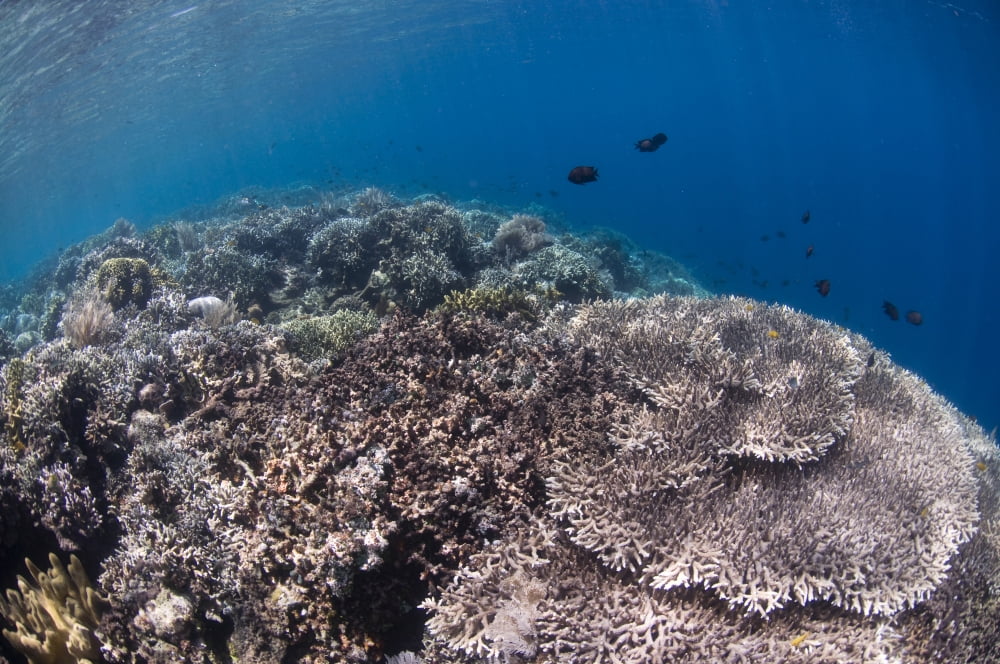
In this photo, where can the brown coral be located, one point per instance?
(54, 619)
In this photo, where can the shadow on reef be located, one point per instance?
(355, 428)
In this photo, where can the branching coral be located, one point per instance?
(324, 336)
(54, 619)
(661, 480)
(799, 478)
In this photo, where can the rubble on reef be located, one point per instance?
(360, 429)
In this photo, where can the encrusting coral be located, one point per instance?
(54, 619)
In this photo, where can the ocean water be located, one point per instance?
(878, 117)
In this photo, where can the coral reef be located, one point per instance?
(414, 412)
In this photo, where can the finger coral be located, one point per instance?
(54, 619)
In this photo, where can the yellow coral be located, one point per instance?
(124, 281)
(54, 620)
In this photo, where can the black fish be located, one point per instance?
(914, 317)
(806, 217)
(823, 286)
(583, 175)
(651, 144)
(890, 310)
(809, 251)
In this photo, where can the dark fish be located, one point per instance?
(914, 317)
(806, 217)
(780, 234)
(809, 251)
(823, 286)
(583, 175)
(764, 238)
(651, 144)
(890, 310)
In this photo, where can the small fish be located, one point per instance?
(809, 251)
(823, 286)
(772, 334)
(765, 238)
(914, 317)
(780, 233)
(890, 310)
(583, 175)
(651, 144)
(806, 217)
(799, 640)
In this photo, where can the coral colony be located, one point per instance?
(297, 427)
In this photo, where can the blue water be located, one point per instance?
(877, 116)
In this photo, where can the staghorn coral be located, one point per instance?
(309, 509)
(535, 597)
(763, 382)
(696, 541)
(569, 272)
(343, 252)
(248, 276)
(55, 618)
(278, 233)
(426, 277)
